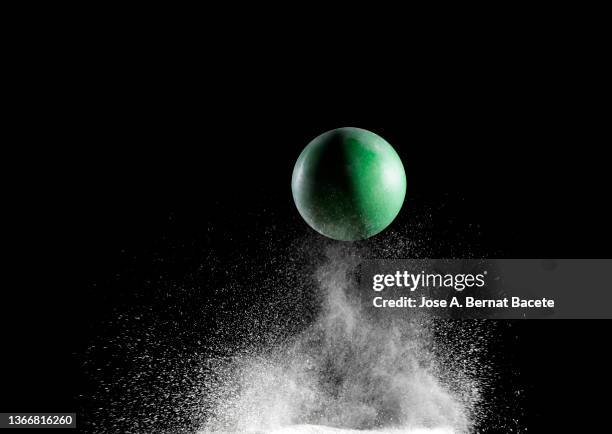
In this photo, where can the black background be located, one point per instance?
(130, 165)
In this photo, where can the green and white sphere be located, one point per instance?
(348, 184)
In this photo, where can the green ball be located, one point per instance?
(348, 184)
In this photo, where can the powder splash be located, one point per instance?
(347, 371)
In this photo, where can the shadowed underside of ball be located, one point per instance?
(348, 184)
